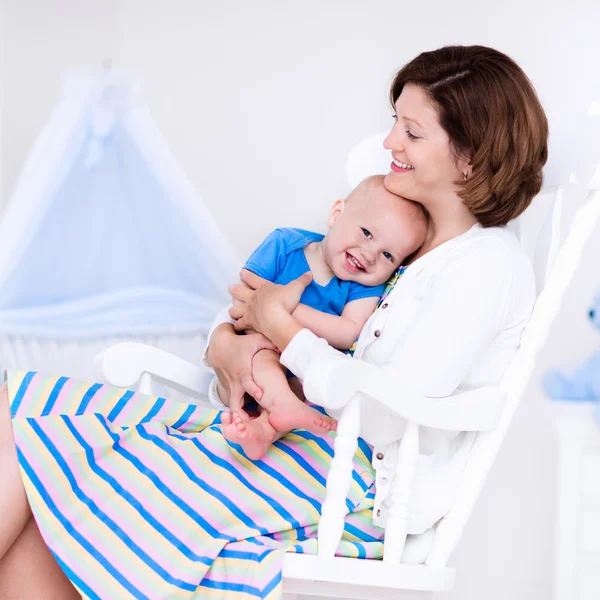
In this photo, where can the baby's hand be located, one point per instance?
(235, 301)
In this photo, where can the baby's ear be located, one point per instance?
(336, 210)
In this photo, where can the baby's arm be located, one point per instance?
(341, 332)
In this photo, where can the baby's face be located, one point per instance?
(371, 235)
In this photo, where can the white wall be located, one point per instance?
(41, 40)
(2, 44)
(261, 102)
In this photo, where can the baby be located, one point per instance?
(370, 234)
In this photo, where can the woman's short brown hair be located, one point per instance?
(493, 117)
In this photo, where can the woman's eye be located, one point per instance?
(367, 233)
(410, 135)
(395, 117)
(388, 256)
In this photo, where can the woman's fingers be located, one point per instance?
(240, 324)
(252, 280)
(237, 311)
(231, 357)
(241, 292)
(301, 282)
(262, 309)
(249, 386)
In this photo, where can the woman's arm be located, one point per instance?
(461, 314)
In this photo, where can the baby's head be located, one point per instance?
(371, 233)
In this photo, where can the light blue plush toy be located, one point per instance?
(584, 383)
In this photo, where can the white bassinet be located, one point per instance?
(104, 239)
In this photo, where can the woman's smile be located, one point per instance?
(400, 167)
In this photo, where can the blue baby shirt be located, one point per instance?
(280, 259)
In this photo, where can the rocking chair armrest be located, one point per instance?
(123, 365)
(474, 410)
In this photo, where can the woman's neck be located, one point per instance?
(445, 223)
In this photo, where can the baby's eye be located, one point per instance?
(388, 256)
(367, 233)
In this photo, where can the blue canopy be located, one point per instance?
(104, 234)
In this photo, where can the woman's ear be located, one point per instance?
(336, 210)
(466, 168)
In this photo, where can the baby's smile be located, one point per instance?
(353, 263)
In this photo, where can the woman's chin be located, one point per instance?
(396, 183)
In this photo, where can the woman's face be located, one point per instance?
(424, 167)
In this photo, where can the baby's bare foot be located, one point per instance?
(285, 416)
(255, 436)
(230, 430)
(232, 426)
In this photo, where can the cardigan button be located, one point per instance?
(383, 481)
(378, 512)
(379, 456)
(377, 333)
(384, 305)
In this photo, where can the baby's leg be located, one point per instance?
(286, 410)
(280, 411)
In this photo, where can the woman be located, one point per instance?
(134, 498)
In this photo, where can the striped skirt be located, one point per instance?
(142, 497)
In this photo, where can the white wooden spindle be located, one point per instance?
(333, 512)
(397, 522)
(145, 383)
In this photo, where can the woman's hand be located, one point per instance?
(258, 283)
(267, 307)
(230, 355)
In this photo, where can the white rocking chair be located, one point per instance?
(132, 365)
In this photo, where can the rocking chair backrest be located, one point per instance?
(368, 158)
(518, 374)
(486, 444)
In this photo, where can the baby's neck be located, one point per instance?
(321, 272)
